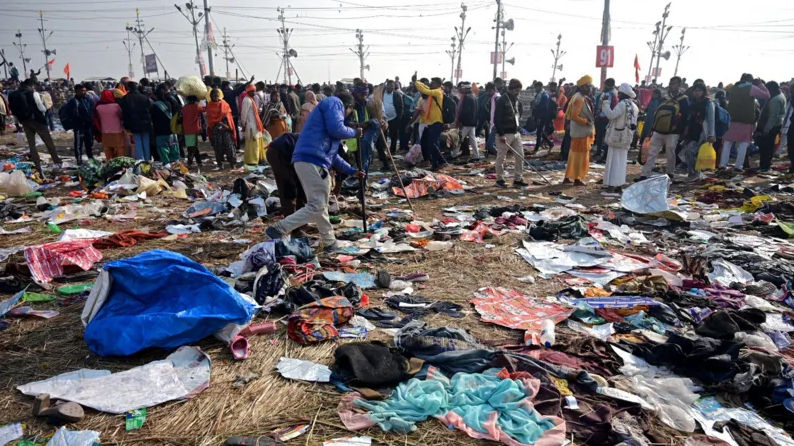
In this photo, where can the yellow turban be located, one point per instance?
(585, 80)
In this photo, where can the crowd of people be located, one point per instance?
(305, 133)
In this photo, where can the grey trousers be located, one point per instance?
(316, 182)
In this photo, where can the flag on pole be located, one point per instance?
(636, 69)
(67, 70)
(51, 61)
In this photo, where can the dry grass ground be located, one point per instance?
(34, 349)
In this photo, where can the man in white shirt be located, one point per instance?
(393, 106)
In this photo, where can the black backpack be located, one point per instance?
(448, 109)
(20, 106)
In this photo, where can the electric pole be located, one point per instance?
(44, 37)
(505, 48)
(141, 32)
(652, 46)
(209, 37)
(451, 54)
(287, 52)
(557, 56)
(5, 62)
(194, 20)
(461, 38)
(21, 47)
(679, 50)
(129, 45)
(496, 43)
(362, 53)
(605, 39)
(663, 32)
(229, 56)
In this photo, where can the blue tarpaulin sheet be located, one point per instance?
(162, 299)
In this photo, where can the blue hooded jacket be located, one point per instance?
(321, 135)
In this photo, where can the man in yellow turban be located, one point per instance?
(581, 114)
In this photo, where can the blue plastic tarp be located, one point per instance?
(162, 299)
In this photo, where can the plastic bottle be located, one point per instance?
(547, 333)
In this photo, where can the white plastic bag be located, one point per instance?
(14, 184)
(414, 155)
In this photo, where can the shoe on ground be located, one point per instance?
(501, 183)
(520, 183)
(273, 233)
(566, 181)
(578, 183)
(328, 249)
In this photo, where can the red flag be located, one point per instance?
(51, 61)
(67, 70)
(636, 69)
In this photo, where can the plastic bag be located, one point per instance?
(14, 183)
(707, 157)
(647, 196)
(414, 156)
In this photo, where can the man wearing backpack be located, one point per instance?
(669, 123)
(26, 105)
(433, 118)
(79, 114)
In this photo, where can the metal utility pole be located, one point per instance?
(21, 47)
(461, 38)
(605, 38)
(496, 42)
(287, 52)
(44, 37)
(451, 54)
(679, 49)
(5, 62)
(129, 45)
(652, 46)
(505, 48)
(557, 56)
(663, 32)
(208, 36)
(362, 53)
(229, 56)
(194, 20)
(141, 32)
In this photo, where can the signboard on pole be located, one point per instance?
(499, 56)
(150, 61)
(458, 74)
(504, 74)
(605, 56)
(657, 72)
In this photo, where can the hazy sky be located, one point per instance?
(726, 37)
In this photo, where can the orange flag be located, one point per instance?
(67, 70)
(636, 69)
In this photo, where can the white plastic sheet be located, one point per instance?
(551, 258)
(648, 196)
(182, 375)
(303, 370)
(10, 432)
(65, 437)
(726, 273)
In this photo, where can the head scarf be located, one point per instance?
(219, 111)
(107, 97)
(250, 87)
(311, 97)
(361, 89)
(584, 80)
(627, 90)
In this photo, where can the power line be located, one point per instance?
(44, 37)
(194, 21)
(361, 53)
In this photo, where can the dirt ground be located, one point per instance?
(33, 349)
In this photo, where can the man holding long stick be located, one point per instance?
(315, 154)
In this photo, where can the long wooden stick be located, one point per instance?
(362, 182)
(396, 172)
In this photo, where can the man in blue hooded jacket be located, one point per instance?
(316, 152)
